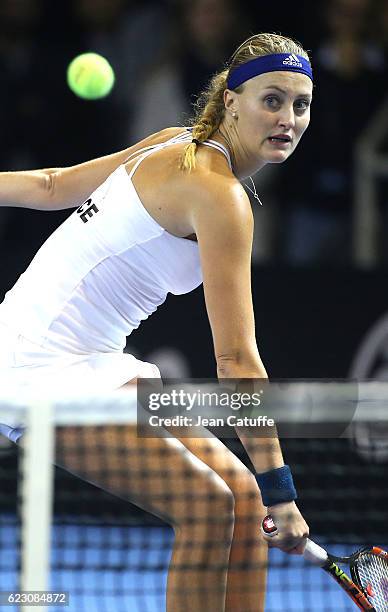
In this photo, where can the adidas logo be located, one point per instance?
(292, 60)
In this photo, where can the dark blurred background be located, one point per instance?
(320, 252)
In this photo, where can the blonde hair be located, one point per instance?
(209, 107)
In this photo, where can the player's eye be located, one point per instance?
(301, 105)
(272, 101)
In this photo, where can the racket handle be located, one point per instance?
(315, 554)
(312, 552)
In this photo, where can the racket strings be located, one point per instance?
(373, 574)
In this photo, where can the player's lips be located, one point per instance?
(280, 140)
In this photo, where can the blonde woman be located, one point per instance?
(163, 216)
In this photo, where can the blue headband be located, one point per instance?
(269, 63)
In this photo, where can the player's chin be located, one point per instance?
(279, 158)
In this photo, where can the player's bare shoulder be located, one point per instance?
(166, 134)
(159, 137)
(218, 199)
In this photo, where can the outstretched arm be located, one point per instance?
(224, 228)
(60, 188)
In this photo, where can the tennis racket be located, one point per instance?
(368, 585)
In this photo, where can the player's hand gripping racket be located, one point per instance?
(368, 585)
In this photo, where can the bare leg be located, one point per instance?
(163, 477)
(246, 581)
(247, 569)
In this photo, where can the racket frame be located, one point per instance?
(331, 565)
(350, 585)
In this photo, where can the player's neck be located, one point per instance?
(243, 164)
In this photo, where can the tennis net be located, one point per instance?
(64, 534)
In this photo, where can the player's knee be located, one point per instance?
(211, 504)
(205, 533)
(221, 501)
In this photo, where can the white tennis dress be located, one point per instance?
(104, 270)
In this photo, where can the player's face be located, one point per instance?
(273, 113)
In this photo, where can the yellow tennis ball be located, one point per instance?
(90, 76)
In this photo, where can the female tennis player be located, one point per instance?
(161, 217)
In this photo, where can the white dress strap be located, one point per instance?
(182, 137)
(146, 151)
(217, 145)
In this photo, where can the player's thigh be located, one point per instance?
(159, 474)
(230, 468)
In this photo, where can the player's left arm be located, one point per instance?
(61, 188)
(57, 188)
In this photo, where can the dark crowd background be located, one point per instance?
(314, 300)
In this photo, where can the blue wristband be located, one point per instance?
(276, 486)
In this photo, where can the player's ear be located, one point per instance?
(231, 100)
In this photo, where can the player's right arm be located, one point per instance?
(223, 222)
(61, 188)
